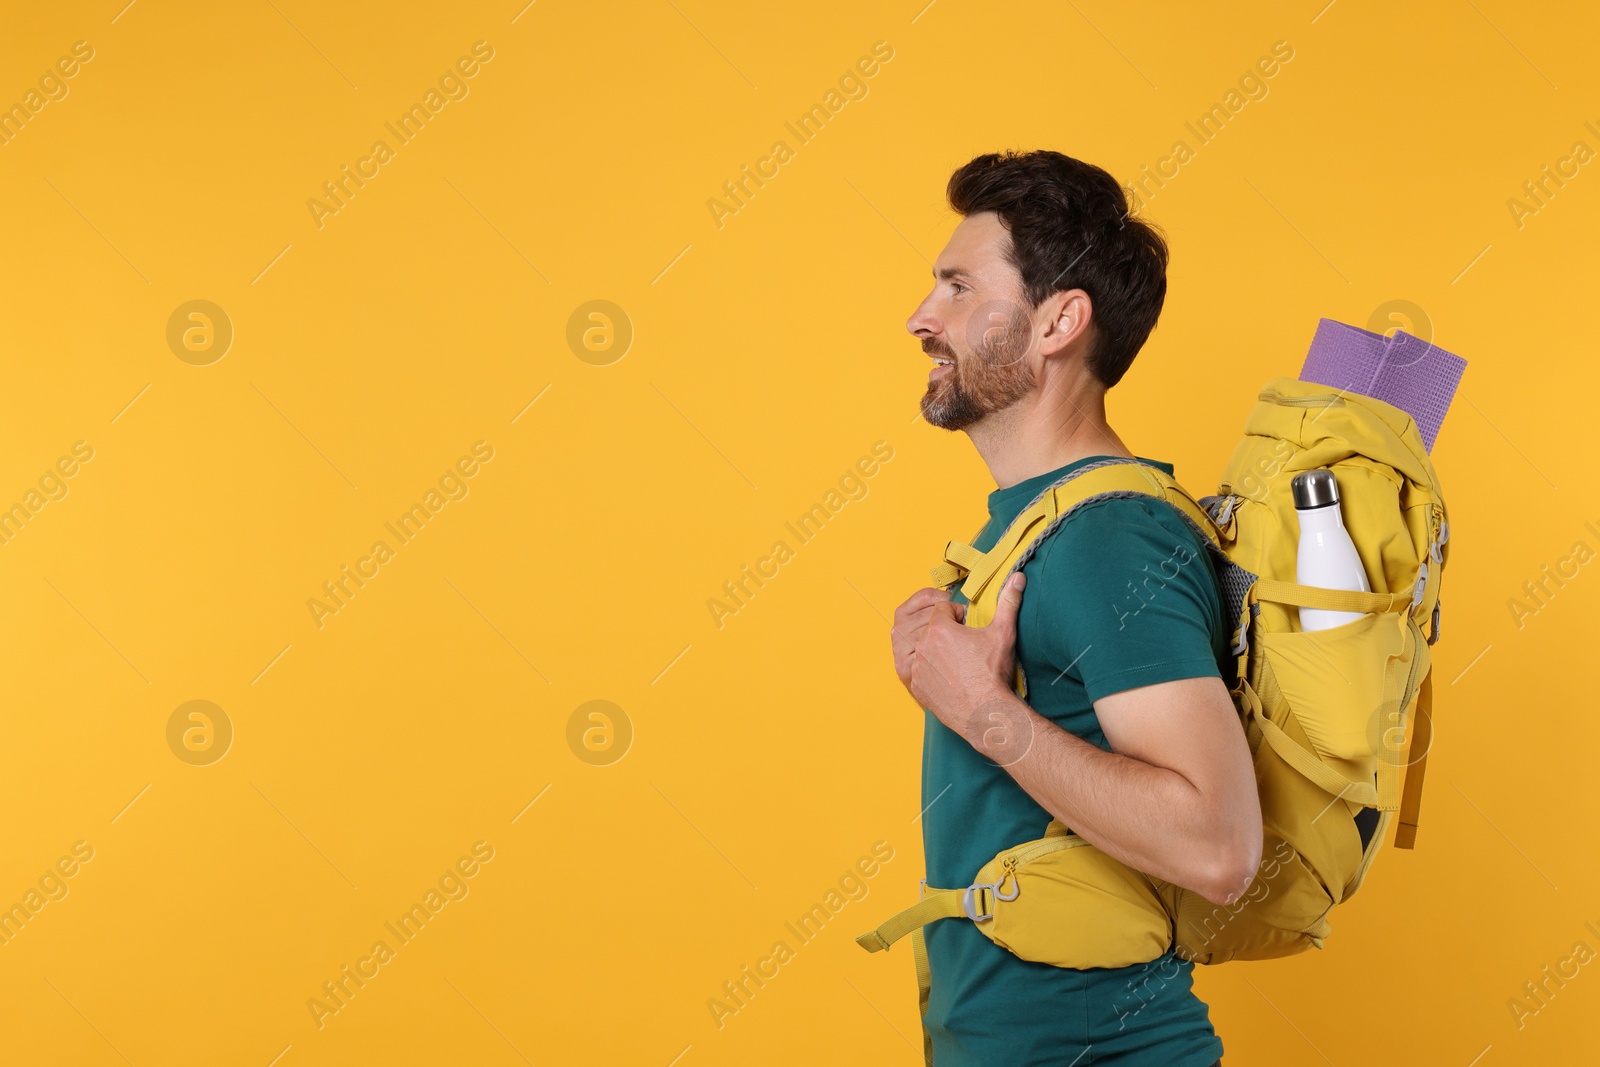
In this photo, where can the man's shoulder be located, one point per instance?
(1127, 591)
(1117, 527)
(1117, 543)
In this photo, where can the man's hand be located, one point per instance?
(953, 670)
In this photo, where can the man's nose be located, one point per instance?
(923, 323)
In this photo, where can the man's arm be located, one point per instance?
(1176, 798)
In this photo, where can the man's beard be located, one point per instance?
(992, 378)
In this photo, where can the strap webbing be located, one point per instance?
(959, 559)
(919, 950)
(1405, 833)
(937, 904)
(1026, 526)
(1309, 596)
(962, 555)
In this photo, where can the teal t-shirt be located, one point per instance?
(1123, 594)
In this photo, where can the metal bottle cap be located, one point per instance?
(1314, 489)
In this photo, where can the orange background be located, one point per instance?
(759, 760)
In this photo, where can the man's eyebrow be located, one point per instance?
(945, 274)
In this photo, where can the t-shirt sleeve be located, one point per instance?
(1127, 598)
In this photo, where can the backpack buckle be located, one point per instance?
(1433, 546)
(969, 900)
(1241, 639)
(1220, 508)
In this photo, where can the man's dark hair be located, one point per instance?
(1071, 229)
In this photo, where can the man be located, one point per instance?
(1044, 294)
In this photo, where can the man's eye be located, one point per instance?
(958, 287)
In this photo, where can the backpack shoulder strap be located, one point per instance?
(1112, 477)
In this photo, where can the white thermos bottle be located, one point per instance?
(1327, 557)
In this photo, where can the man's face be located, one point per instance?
(977, 324)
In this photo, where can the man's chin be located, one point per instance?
(946, 411)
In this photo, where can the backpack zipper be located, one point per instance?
(1026, 854)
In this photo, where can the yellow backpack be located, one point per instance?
(1325, 712)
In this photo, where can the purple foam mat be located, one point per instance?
(1415, 376)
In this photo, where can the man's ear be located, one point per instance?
(1069, 314)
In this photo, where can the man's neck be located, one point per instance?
(1043, 432)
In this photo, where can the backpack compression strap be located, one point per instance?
(1405, 834)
